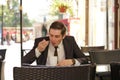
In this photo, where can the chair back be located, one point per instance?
(103, 59)
(115, 70)
(92, 48)
(86, 49)
(2, 54)
(83, 72)
(105, 56)
(25, 51)
(2, 57)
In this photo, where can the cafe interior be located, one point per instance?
(95, 25)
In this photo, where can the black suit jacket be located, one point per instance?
(71, 51)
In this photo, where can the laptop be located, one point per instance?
(2, 54)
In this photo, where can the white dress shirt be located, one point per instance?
(51, 59)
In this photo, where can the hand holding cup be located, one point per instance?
(42, 45)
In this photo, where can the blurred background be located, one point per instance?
(91, 22)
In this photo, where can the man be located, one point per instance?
(44, 47)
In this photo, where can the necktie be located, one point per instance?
(56, 53)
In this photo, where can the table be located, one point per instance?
(103, 70)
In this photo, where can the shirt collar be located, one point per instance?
(51, 46)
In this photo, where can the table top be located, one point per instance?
(86, 54)
(103, 68)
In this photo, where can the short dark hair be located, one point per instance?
(58, 25)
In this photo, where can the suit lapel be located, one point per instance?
(66, 48)
(44, 58)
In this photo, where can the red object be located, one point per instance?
(62, 8)
(66, 22)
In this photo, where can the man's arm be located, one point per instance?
(39, 46)
(78, 54)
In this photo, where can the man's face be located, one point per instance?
(55, 37)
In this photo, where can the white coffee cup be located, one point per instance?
(53, 61)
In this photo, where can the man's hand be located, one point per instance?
(67, 62)
(42, 45)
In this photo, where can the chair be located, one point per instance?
(86, 49)
(2, 54)
(2, 57)
(92, 48)
(115, 70)
(83, 72)
(104, 58)
(25, 51)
